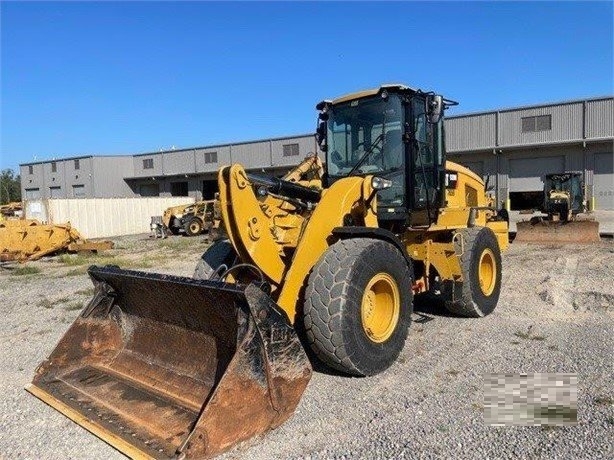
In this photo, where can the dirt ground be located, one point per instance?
(555, 315)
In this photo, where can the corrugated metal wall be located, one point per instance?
(566, 125)
(252, 155)
(470, 132)
(223, 158)
(600, 118)
(140, 171)
(182, 162)
(305, 145)
(106, 217)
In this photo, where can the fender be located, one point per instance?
(344, 233)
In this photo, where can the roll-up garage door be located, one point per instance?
(526, 174)
(603, 180)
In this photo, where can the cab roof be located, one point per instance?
(372, 92)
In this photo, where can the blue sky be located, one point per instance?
(120, 78)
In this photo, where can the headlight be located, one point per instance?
(379, 183)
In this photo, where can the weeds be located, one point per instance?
(76, 272)
(26, 270)
(46, 303)
(74, 306)
(529, 335)
(43, 332)
(88, 291)
(73, 260)
(180, 244)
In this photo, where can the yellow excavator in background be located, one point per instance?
(164, 366)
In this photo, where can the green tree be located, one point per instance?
(10, 186)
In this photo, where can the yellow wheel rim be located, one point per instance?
(487, 272)
(380, 308)
(194, 227)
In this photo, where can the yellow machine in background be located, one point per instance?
(11, 210)
(28, 239)
(566, 220)
(172, 367)
(192, 219)
(203, 216)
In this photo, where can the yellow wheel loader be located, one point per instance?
(172, 367)
(564, 202)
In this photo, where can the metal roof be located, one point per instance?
(534, 106)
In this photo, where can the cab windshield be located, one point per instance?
(364, 137)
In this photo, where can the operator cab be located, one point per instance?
(395, 133)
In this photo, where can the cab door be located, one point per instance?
(426, 165)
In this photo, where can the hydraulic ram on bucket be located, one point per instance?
(170, 367)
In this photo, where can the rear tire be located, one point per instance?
(194, 227)
(358, 305)
(219, 253)
(481, 269)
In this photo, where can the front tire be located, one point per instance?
(481, 270)
(358, 305)
(219, 253)
(194, 227)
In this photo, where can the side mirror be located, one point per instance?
(434, 108)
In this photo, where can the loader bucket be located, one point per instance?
(545, 231)
(162, 366)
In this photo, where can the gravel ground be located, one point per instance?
(555, 314)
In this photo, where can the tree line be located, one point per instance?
(10, 186)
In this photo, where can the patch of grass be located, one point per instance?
(46, 303)
(180, 244)
(43, 332)
(74, 306)
(442, 428)
(76, 272)
(88, 291)
(26, 270)
(73, 259)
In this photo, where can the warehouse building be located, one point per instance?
(513, 147)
